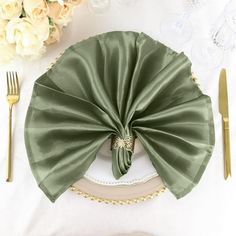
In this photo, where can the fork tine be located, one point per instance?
(14, 82)
(11, 84)
(17, 87)
(8, 84)
(13, 87)
(17, 84)
(10, 79)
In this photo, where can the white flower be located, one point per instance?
(7, 50)
(3, 24)
(36, 9)
(10, 9)
(28, 35)
(61, 15)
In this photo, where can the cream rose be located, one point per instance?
(3, 24)
(10, 9)
(54, 35)
(61, 15)
(7, 50)
(28, 35)
(36, 9)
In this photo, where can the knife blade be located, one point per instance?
(224, 110)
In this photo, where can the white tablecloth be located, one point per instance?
(208, 210)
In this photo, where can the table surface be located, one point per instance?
(208, 210)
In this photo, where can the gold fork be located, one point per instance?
(13, 96)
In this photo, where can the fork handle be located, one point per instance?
(9, 159)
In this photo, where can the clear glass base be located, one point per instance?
(176, 28)
(207, 54)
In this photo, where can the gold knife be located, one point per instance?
(223, 107)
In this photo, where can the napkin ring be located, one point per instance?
(127, 143)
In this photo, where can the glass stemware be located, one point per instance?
(222, 38)
(224, 31)
(178, 26)
(207, 54)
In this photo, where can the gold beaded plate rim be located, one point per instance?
(119, 195)
(118, 202)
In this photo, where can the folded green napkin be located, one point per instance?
(123, 86)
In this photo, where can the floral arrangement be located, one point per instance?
(27, 26)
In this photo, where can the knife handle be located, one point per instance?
(227, 161)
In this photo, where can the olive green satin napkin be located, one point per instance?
(119, 85)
